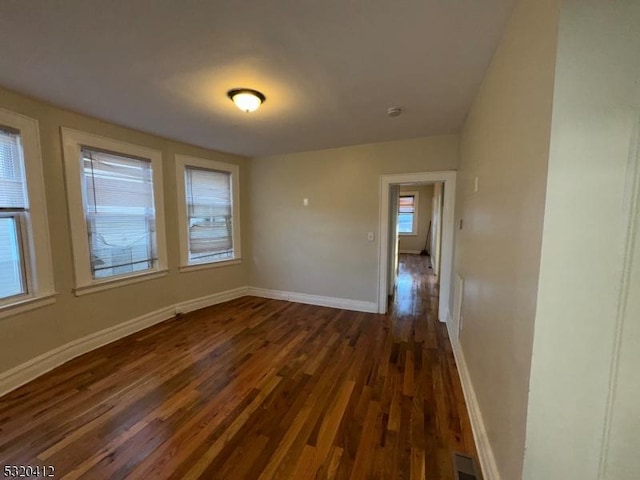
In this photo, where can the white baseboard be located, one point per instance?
(25, 372)
(410, 252)
(485, 452)
(41, 364)
(343, 303)
(31, 369)
(209, 300)
(443, 314)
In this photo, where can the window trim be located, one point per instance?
(33, 223)
(182, 162)
(72, 142)
(416, 196)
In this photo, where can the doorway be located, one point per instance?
(390, 191)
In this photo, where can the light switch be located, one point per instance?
(370, 236)
(305, 202)
(475, 185)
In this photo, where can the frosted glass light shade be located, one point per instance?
(246, 99)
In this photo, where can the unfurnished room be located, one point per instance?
(355, 239)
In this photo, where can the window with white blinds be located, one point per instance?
(209, 214)
(13, 211)
(13, 188)
(208, 217)
(116, 210)
(120, 213)
(26, 275)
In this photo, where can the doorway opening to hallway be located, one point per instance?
(416, 219)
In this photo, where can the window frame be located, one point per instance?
(416, 201)
(32, 224)
(182, 162)
(72, 142)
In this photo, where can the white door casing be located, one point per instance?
(386, 181)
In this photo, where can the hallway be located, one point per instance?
(255, 388)
(413, 314)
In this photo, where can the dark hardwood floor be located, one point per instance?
(255, 389)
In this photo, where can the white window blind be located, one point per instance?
(13, 189)
(120, 213)
(13, 209)
(210, 223)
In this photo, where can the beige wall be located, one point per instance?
(505, 143)
(620, 451)
(589, 286)
(415, 243)
(35, 332)
(322, 249)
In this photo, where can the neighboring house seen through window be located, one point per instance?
(114, 191)
(209, 214)
(118, 194)
(209, 220)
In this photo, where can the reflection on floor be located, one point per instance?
(415, 284)
(255, 389)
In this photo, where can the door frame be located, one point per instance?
(447, 177)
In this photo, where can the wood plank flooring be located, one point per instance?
(255, 389)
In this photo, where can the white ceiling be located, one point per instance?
(329, 68)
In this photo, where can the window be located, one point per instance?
(408, 213)
(115, 202)
(25, 256)
(209, 212)
(13, 202)
(118, 195)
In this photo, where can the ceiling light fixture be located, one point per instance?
(246, 99)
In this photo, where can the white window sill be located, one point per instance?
(26, 304)
(204, 266)
(407, 234)
(118, 282)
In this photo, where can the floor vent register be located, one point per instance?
(465, 468)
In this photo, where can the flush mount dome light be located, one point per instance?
(246, 99)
